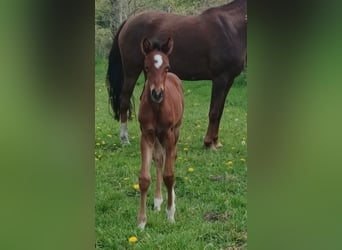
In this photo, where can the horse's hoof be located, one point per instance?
(213, 145)
(210, 146)
(218, 145)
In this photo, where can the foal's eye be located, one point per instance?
(146, 68)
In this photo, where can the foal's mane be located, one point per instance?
(155, 46)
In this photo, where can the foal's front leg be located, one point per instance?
(144, 177)
(168, 175)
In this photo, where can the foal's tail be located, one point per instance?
(115, 75)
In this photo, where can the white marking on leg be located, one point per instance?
(124, 133)
(142, 225)
(171, 212)
(157, 203)
(158, 61)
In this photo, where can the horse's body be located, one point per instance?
(209, 46)
(160, 116)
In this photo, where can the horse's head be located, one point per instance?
(156, 66)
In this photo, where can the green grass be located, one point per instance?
(211, 201)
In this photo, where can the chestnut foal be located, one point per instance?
(160, 116)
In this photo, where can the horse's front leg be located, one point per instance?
(168, 176)
(219, 91)
(144, 177)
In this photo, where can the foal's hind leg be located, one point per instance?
(159, 158)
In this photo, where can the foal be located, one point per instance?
(160, 116)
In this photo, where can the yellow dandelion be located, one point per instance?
(103, 142)
(136, 186)
(243, 159)
(229, 163)
(109, 135)
(190, 170)
(185, 149)
(132, 239)
(98, 144)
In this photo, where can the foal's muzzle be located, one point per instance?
(157, 96)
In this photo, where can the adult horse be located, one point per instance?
(208, 46)
(160, 117)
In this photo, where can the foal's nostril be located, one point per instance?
(157, 96)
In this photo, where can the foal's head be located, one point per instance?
(156, 66)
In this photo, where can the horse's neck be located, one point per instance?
(231, 6)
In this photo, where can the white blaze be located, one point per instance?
(158, 61)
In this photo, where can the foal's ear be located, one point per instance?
(167, 47)
(146, 46)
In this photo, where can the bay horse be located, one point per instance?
(208, 46)
(160, 117)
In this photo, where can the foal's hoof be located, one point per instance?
(171, 214)
(157, 204)
(125, 140)
(141, 225)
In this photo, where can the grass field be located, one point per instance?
(211, 201)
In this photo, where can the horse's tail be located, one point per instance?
(115, 75)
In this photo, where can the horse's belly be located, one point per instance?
(192, 75)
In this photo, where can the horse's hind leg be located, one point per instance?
(125, 97)
(159, 158)
(219, 91)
